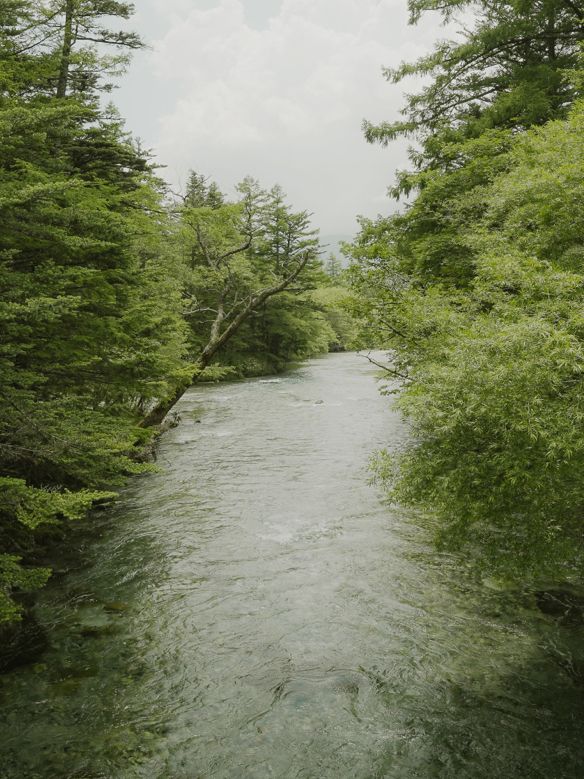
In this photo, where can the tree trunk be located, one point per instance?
(551, 29)
(217, 339)
(66, 50)
(258, 299)
(158, 413)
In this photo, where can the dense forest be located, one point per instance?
(476, 287)
(115, 295)
(335, 569)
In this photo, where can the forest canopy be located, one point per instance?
(115, 295)
(476, 288)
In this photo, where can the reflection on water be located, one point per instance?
(254, 610)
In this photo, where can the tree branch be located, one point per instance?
(385, 368)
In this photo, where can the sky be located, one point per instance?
(275, 89)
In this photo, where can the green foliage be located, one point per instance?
(333, 268)
(90, 296)
(477, 288)
(513, 70)
(539, 204)
(14, 577)
(248, 265)
(62, 47)
(495, 391)
(507, 71)
(33, 507)
(337, 305)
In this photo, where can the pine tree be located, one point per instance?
(90, 301)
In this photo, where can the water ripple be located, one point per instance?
(254, 610)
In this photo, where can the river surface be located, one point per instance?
(254, 610)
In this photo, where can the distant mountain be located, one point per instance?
(331, 245)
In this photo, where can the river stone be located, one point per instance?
(172, 419)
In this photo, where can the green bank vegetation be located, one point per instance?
(115, 296)
(477, 288)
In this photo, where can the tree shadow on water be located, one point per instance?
(88, 707)
(528, 724)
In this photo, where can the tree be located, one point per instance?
(333, 267)
(58, 47)
(90, 303)
(200, 193)
(494, 387)
(507, 73)
(238, 257)
(76, 25)
(475, 288)
(244, 253)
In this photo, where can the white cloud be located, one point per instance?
(285, 102)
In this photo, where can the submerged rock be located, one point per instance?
(21, 643)
(98, 631)
(115, 607)
(172, 419)
(562, 604)
(67, 687)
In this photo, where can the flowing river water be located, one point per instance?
(254, 610)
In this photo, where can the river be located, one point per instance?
(254, 610)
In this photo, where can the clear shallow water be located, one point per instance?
(254, 610)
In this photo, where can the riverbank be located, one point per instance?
(254, 609)
(35, 544)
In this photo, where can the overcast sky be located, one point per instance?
(276, 89)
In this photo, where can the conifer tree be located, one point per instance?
(90, 301)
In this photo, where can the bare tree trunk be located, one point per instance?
(66, 50)
(218, 338)
(255, 301)
(158, 413)
(218, 321)
(551, 29)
